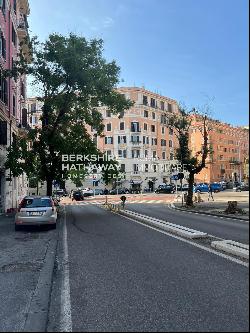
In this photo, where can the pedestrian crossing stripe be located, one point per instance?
(101, 202)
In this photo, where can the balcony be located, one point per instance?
(136, 143)
(24, 6)
(22, 28)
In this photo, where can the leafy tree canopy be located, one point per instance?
(73, 80)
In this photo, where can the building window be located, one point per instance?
(122, 139)
(3, 6)
(162, 106)
(163, 143)
(14, 105)
(171, 156)
(135, 127)
(145, 100)
(145, 127)
(14, 38)
(170, 109)
(163, 155)
(170, 143)
(109, 127)
(136, 168)
(108, 140)
(136, 153)
(145, 114)
(123, 168)
(154, 142)
(122, 126)
(154, 154)
(3, 46)
(155, 168)
(4, 90)
(146, 153)
(163, 130)
(153, 128)
(108, 114)
(122, 153)
(152, 103)
(3, 133)
(146, 167)
(14, 5)
(171, 131)
(153, 115)
(135, 139)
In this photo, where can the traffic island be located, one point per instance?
(215, 209)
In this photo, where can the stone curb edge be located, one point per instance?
(37, 317)
(205, 213)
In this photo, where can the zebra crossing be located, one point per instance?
(101, 202)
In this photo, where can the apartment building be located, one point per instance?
(230, 151)
(13, 112)
(34, 112)
(140, 139)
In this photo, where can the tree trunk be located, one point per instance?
(49, 186)
(189, 201)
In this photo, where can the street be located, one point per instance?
(219, 227)
(126, 277)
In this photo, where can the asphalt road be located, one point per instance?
(219, 227)
(126, 277)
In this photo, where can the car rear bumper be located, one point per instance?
(35, 221)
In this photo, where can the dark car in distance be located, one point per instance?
(167, 189)
(78, 196)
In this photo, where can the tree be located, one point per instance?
(72, 80)
(193, 164)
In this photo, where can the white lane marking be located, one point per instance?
(237, 261)
(66, 320)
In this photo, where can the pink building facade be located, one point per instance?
(13, 112)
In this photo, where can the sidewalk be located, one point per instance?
(23, 256)
(216, 208)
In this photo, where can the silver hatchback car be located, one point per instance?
(36, 210)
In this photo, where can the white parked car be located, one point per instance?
(36, 210)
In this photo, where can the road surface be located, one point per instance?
(114, 274)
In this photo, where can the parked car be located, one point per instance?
(87, 192)
(204, 187)
(238, 187)
(216, 187)
(36, 210)
(119, 191)
(201, 188)
(60, 193)
(98, 191)
(166, 188)
(78, 195)
(184, 187)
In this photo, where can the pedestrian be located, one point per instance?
(123, 199)
(210, 193)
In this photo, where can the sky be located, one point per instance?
(194, 51)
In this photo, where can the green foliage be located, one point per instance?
(72, 80)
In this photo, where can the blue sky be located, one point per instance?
(194, 51)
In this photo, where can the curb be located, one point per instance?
(37, 316)
(209, 214)
(164, 225)
(235, 248)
